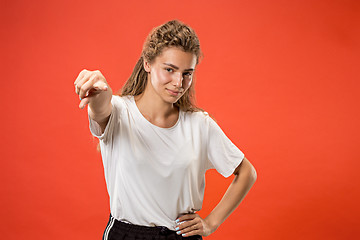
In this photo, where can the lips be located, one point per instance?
(173, 92)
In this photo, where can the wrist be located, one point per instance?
(212, 222)
(100, 100)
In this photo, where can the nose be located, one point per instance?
(178, 80)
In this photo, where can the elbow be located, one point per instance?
(250, 172)
(252, 175)
(246, 171)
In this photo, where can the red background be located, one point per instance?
(280, 77)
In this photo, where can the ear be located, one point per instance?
(146, 66)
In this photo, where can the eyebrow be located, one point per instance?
(176, 67)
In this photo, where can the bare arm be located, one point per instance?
(245, 177)
(92, 88)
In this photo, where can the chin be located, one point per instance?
(171, 100)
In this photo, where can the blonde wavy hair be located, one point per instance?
(170, 34)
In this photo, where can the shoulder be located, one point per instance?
(200, 117)
(121, 105)
(121, 101)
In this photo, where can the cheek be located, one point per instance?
(160, 77)
(187, 83)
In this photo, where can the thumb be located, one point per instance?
(102, 86)
(83, 103)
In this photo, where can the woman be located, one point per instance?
(156, 145)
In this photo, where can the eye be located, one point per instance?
(187, 74)
(169, 69)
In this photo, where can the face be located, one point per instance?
(170, 74)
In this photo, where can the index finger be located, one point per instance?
(80, 76)
(186, 217)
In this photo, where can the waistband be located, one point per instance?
(139, 229)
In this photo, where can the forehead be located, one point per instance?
(177, 57)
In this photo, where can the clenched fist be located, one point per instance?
(88, 85)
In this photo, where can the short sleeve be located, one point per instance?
(222, 154)
(95, 128)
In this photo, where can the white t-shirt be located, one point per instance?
(153, 174)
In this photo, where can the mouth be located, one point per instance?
(174, 92)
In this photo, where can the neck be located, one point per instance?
(154, 107)
(155, 110)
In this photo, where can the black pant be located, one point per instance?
(117, 230)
